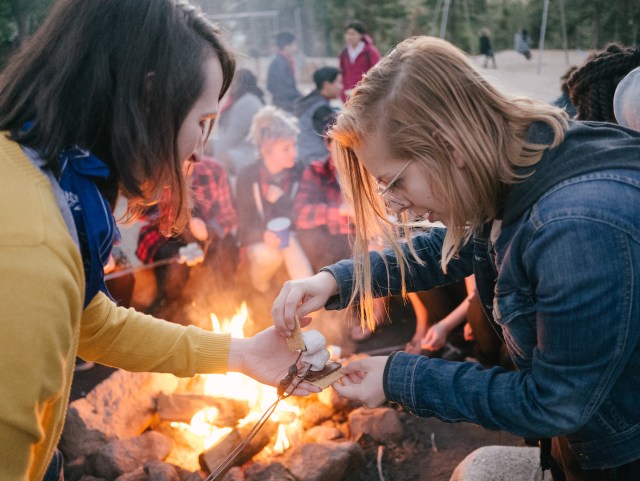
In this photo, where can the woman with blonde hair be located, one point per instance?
(541, 209)
(266, 191)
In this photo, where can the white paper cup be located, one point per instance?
(281, 227)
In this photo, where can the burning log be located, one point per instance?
(182, 407)
(217, 454)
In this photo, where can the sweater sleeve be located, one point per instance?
(119, 337)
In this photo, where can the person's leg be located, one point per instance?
(323, 248)
(295, 260)
(263, 264)
(170, 278)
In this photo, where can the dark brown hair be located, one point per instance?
(117, 77)
(593, 85)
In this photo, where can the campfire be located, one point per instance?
(136, 425)
(219, 431)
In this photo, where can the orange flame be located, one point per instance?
(240, 387)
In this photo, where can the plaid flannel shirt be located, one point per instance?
(319, 199)
(212, 203)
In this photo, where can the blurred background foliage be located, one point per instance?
(318, 24)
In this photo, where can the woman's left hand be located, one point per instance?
(362, 381)
(266, 358)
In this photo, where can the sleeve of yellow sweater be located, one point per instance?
(134, 341)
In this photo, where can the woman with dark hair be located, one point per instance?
(231, 145)
(107, 97)
(357, 57)
(593, 85)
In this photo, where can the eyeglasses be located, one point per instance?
(386, 190)
(206, 124)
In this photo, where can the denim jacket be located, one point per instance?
(566, 295)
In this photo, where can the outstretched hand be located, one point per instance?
(266, 358)
(301, 297)
(363, 380)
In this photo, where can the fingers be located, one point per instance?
(305, 321)
(356, 367)
(305, 388)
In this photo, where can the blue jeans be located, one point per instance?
(55, 471)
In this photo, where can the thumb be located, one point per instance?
(346, 389)
(355, 367)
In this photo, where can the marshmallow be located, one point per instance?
(317, 359)
(314, 341)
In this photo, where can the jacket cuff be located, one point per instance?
(398, 380)
(343, 274)
(213, 353)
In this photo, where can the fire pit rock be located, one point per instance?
(382, 424)
(269, 472)
(318, 434)
(124, 456)
(328, 461)
(121, 407)
(315, 413)
(499, 463)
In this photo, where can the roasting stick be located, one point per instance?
(292, 380)
(191, 255)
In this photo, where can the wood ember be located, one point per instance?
(217, 454)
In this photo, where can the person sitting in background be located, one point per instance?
(266, 190)
(230, 143)
(281, 77)
(212, 225)
(626, 101)
(357, 57)
(312, 111)
(564, 101)
(593, 85)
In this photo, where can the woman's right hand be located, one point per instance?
(301, 297)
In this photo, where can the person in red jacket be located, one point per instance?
(358, 56)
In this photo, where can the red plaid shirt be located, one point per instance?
(319, 199)
(212, 203)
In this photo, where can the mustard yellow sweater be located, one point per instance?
(43, 327)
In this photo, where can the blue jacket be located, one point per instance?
(563, 281)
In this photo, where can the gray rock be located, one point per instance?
(135, 475)
(382, 424)
(319, 434)
(234, 474)
(499, 463)
(315, 413)
(323, 461)
(123, 456)
(120, 407)
(159, 471)
(269, 472)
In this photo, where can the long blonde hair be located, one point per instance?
(426, 100)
